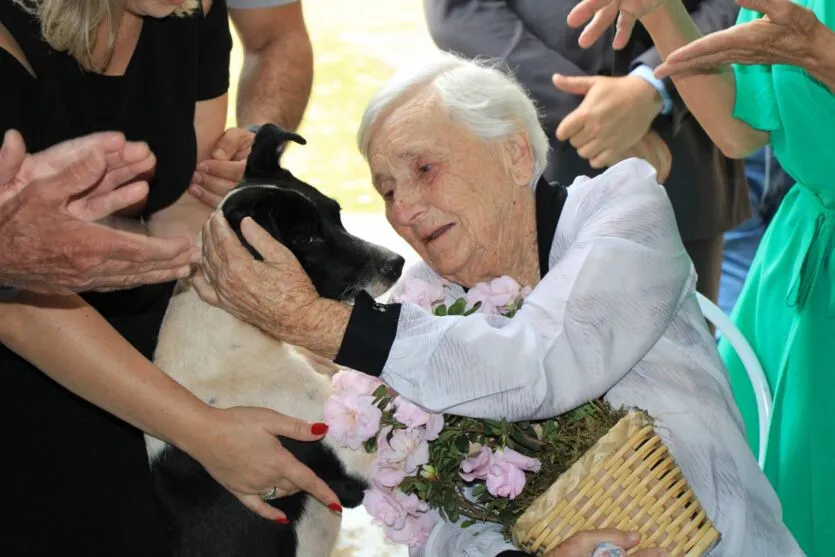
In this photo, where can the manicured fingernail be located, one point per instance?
(319, 429)
(202, 167)
(282, 520)
(335, 507)
(633, 537)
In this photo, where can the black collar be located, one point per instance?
(550, 199)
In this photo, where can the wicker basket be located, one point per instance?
(627, 480)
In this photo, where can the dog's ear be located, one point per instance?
(265, 159)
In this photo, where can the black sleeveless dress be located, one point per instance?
(76, 479)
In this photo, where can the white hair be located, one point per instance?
(477, 93)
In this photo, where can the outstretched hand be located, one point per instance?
(598, 15)
(49, 202)
(786, 34)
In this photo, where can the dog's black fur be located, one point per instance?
(205, 520)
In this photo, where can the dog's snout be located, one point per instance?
(392, 267)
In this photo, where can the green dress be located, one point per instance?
(787, 306)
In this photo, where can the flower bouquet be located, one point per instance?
(542, 481)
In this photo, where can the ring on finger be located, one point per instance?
(270, 494)
(607, 549)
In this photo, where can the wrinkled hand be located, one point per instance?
(240, 450)
(272, 294)
(603, 13)
(584, 544)
(615, 114)
(787, 34)
(48, 202)
(655, 151)
(215, 177)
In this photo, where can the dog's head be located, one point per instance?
(308, 223)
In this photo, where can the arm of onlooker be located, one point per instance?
(709, 16)
(277, 74)
(73, 344)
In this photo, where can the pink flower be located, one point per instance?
(409, 447)
(415, 531)
(495, 295)
(354, 381)
(420, 292)
(506, 477)
(477, 467)
(352, 418)
(382, 504)
(434, 426)
(409, 414)
(398, 457)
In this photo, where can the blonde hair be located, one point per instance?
(70, 25)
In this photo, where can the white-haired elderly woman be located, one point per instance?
(456, 152)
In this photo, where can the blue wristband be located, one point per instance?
(645, 72)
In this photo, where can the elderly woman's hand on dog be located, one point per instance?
(275, 294)
(242, 452)
(216, 176)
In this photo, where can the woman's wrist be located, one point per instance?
(666, 18)
(320, 327)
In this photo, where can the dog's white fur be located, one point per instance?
(226, 362)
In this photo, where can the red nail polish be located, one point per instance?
(282, 520)
(335, 507)
(319, 429)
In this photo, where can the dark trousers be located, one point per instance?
(707, 258)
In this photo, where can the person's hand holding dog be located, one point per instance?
(602, 543)
(215, 177)
(242, 452)
(615, 114)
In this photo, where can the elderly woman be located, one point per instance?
(781, 91)
(456, 152)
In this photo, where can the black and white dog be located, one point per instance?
(226, 363)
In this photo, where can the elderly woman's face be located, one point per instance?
(448, 193)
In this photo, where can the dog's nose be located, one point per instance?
(392, 267)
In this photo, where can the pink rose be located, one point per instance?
(354, 381)
(415, 531)
(409, 414)
(352, 418)
(477, 467)
(494, 295)
(420, 292)
(383, 506)
(433, 427)
(409, 447)
(506, 477)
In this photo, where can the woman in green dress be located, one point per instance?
(780, 91)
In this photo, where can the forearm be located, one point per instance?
(74, 345)
(711, 97)
(275, 82)
(185, 218)
(324, 328)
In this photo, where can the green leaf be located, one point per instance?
(462, 443)
(370, 445)
(467, 523)
(458, 307)
(440, 310)
(479, 490)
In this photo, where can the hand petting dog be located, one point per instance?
(215, 177)
(787, 34)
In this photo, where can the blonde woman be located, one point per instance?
(78, 385)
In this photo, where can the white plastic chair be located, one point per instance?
(726, 327)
